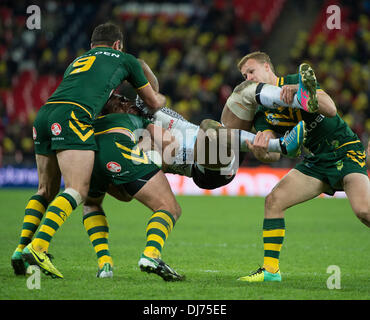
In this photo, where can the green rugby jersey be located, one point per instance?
(130, 123)
(91, 78)
(322, 132)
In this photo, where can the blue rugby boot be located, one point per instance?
(293, 140)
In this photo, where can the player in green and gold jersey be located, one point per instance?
(65, 142)
(121, 162)
(336, 161)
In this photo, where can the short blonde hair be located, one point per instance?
(259, 56)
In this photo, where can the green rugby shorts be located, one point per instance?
(63, 126)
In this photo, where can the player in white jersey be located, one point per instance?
(191, 156)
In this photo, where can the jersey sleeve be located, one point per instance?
(136, 74)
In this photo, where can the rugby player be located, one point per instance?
(65, 142)
(336, 161)
(183, 162)
(121, 163)
(134, 182)
(205, 174)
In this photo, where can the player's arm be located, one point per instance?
(260, 145)
(327, 106)
(152, 99)
(149, 75)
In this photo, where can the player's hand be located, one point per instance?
(259, 146)
(287, 93)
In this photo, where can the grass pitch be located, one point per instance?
(217, 240)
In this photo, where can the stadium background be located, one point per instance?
(193, 48)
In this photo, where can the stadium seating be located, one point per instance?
(193, 51)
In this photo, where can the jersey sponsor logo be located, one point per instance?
(113, 167)
(315, 123)
(34, 133)
(56, 129)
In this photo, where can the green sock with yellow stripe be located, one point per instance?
(59, 210)
(96, 226)
(34, 212)
(159, 227)
(273, 237)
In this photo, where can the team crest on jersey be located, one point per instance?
(271, 118)
(34, 133)
(113, 167)
(56, 129)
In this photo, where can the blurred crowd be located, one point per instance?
(341, 58)
(192, 47)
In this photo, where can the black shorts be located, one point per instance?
(209, 179)
(212, 179)
(133, 187)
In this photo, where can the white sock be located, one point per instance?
(273, 146)
(74, 194)
(269, 96)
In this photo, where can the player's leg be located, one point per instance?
(234, 139)
(97, 228)
(215, 146)
(357, 188)
(306, 94)
(76, 167)
(231, 118)
(166, 211)
(283, 196)
(71, 136)
(49, 184)
(242, 103)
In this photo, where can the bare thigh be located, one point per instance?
(76, 168)
(156, 194)
(357, 189)
(293, 189)
(49, 176)
(230, 120)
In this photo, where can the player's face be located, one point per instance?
(255, 71)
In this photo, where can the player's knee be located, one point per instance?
(272, 203)
(171, 206)
(175, 210)
(209, 124)
(363, 213)
(47, 193)
(269, 200)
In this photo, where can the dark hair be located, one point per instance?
(106, 34)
